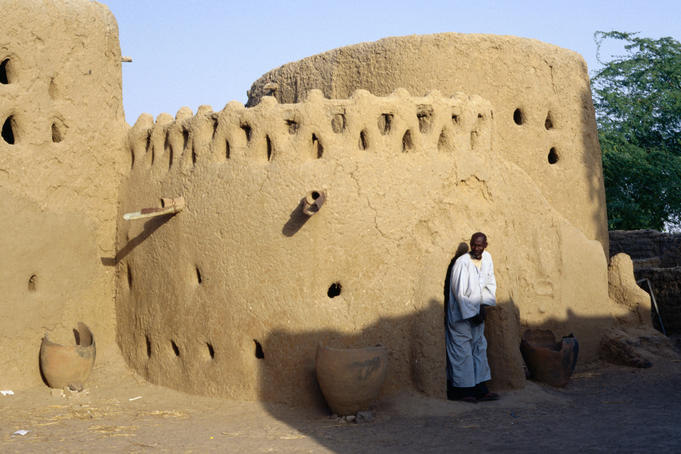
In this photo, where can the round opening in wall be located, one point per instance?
(8, 130)
(518, 116)
(334, 290)
(259, 352)
(4, 78)
(553, 155)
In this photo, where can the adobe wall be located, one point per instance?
(62, 119)
(231, 296)
(540, 94)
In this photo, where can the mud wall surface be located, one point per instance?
(540, 94)
(231, 296)
(657, 257)
(62, 127)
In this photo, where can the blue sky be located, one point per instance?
(193, 52)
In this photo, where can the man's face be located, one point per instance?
(477, 247)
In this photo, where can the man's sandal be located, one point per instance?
(488, 397)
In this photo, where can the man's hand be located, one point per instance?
(479, 318)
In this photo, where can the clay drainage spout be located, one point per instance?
(313, 201)
(168, 206)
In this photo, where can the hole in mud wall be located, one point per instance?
(169, 150)
(317, 147)
(246, 128)
(211, 350)
(32, 283)
(443, 142)
(548, 123)
(292, 126)
(474, 139)
(227, 149)
(456, 119)
(8, 130)
(193, 157)
(129, 275)
(215, 126)
(425, 117)
(553, 155)
(338, 123)
(407, 142)
(4, 78)
(315, 195)
(132, 158)
(334, 290)
(269, 147)
(199, 279)
(363, 142)
(259, 353)
(176, 350)
(57, 134)
(185, 138)
(148, 346)
(518, 116)
(385, 122)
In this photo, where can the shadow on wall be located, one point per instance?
(341, 437)
(149, 227)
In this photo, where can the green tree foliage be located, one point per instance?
(637, 98)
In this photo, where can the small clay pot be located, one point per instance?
(549, 361)
(68, 365)
(351, 378)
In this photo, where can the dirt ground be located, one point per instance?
(604, 408)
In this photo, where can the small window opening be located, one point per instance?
(211, 350)
(425, 117)
(199, 279)
(8, 130)
(553, 155)
(56, 133)
(334, 290)
(518, 116)
(3, 72)
(317, 147)
(548, 123)
(227, 149)
(363, 142)
(385, 123)
(338, 123)
(129, 272)
(407, 142)
(176, 350)
(247, 131)
(169, 150)
(148, 346)
(269, 147)
(455, 119)
(185, 138)
(292, 126)
(215, 126)
(259, 353)
(32, 283)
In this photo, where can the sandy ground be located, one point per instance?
(605, 408)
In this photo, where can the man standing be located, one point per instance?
(472, 287)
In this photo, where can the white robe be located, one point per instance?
(466, 344)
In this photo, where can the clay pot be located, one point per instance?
(549, 361)
(351, 378)
(68, 365)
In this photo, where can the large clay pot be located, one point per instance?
(351, 378)
(68, 365)
(549, 361)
